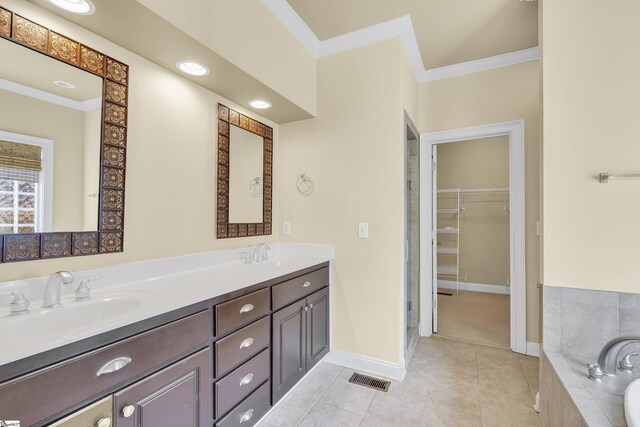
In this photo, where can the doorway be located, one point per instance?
(455, 203)
(471, 187)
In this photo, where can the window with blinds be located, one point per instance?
(20, 168)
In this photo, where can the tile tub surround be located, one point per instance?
(175, 282)
(577, 323)
(448, 383)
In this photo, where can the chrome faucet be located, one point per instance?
(264, 248)
(608, 358)
(52, 290)
(19, 305)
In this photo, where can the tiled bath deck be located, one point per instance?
(448, 383)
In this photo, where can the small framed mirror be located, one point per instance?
(245, 163)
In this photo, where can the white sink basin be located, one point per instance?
(632, 404)
(72, 315)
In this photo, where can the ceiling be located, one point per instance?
(448, 31)
(129, 24)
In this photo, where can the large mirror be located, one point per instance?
(245, 158)
(63, 119)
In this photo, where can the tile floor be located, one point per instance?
(448, 383)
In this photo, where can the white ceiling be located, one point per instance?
(447, 31)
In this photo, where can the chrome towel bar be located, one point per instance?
(604, 177)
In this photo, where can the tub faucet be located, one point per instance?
(608, 358)
(52, 290)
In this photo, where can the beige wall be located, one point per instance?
(353, 151)
(171, 163)
(65, 126)
(484, 225)
(591, 109)
(503, 94)
(247, 34)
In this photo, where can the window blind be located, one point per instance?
(20, 162)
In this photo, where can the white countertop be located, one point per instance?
(164, 285)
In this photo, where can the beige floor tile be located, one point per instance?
(350, 397)
(289, 411)
(324, 416)
(318, 381)
(508, 413)
(531, 368)
(415, 385)
(394, 410)
(447, 411)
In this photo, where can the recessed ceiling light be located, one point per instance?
(64, 84)
(259, 103)
(192, 67)
(81, 7)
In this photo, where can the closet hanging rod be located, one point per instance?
(474, 190)
(604, 177)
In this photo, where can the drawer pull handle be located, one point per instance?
(246, 308)
(104, 422)
(246, 379)
(246, 343)
(246, 416)
(128, 410)
(306, 284)
(114, 365)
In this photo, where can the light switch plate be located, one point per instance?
(363, 230)
(286, 228)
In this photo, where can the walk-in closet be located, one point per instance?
(471, 212)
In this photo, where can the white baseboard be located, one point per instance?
(366, 364)
(474, 287)
(533, 349)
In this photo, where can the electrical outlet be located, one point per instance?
(363, 230)
(286, 228)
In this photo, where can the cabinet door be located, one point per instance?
(289, 348)
(179, 395)
(317, 327)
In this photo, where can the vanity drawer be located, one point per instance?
(292, 290)
(241, 311)
(241, 382)
(42, 394)
(234, 349)
(250, 411)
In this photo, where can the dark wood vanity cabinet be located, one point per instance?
(300, 340)
(220, 362)
(178, 395)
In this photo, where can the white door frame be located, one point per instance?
(517, 269)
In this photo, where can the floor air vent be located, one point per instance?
(367, 381)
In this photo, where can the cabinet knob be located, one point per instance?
(246, 343)
(306, 284)
(310, 305)
(246, 308)
(306, 308)
(128, 410)
(246, 416)
(104, 422)
(246, 379)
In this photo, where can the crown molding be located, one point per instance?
(291, 20)
(489, 63)
(88, 105)
(399, 27)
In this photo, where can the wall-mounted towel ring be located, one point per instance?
(304, 185)
(255, 188)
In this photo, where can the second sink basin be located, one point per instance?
(63, 320)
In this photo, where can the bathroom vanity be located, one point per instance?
(222, 361)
